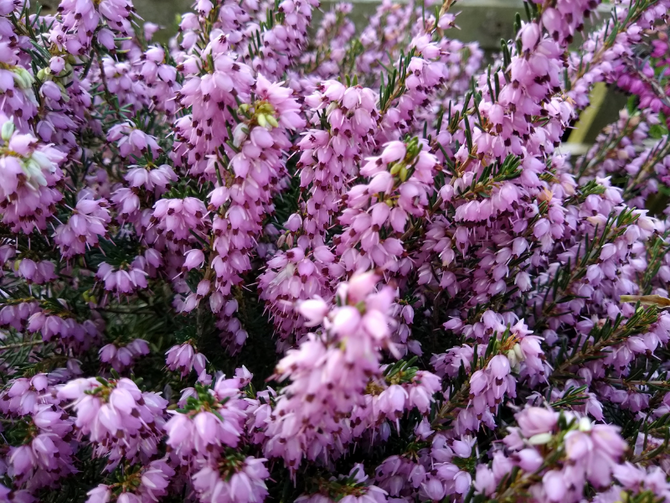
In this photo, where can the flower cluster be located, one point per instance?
(121, 421)
(329, 371)
(587, 453)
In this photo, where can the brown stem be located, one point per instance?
(20, 345)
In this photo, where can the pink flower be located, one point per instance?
(555, 485)
(194, 259)
(536, 420)
(100, 494)
(313, 310)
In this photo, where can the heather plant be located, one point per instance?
(280, 260)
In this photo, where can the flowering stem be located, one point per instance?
(658, 153)
(607, 336)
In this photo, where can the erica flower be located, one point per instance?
(87, 223)
(121, 357)
(185, 358)
(211, 421)
(235, 479)
(29, 171)
(120, 420)
(122, 280)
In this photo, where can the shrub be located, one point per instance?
(286, 262)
